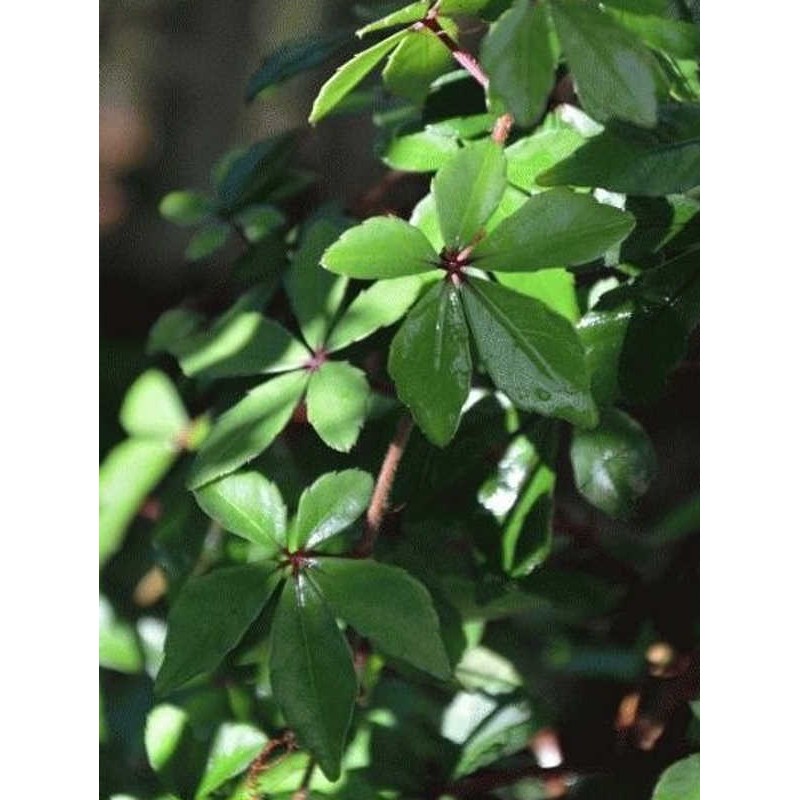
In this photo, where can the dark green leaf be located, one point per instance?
(614, 463)
(424, 151)
(386, 605)
(258, 221)
(430, 362)
(413, 12)
(210, 616)
(315, 294)
(248, 428)
(207, 240)
(246, 343)
(518, 57)
(671, 36)
(614, 72)
(312, 673)
(152, 408)
(235, 746)
(467, 190)
(332, 503)
(624, 159)
(532, 353)
(248, 505)
(186, 208)
(380, 305)
(349, 75)
(337, 401)
(295, 57)
(418, 60)
(381, 247)
(681, 781)
(603, 333)
(554, 287)
(553, 229)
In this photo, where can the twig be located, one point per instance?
(302, 790)
(467, 60)
(502, 127)
(383, 488)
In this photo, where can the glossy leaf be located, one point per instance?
(129, 472)
(603, 334)
(380, 305)
(349, 75)
(315, 294)
(235, 746)
(614, 463)
(294, 57)
(424, 151)
(381, 247)
(632, 161)
(681, 781)
(413, 12)
(518, 57)
(248, 505)
(554, 287)
(152, 408)
(248, 428)
(209, 617)
(311, 669)
(554, 229)
(430, 362)
(208, 239)
(386, 605)
(331, 504)
(532, 353)
(244, 344)
(185, 208)
(614, 72)
(418, 60)
(467, 190)
(337, 403)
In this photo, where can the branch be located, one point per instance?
(467, 60)
(379, 503)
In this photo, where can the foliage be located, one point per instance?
(407, 631)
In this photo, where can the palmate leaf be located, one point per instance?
(386, 605)
(312, 674)
(430, 362)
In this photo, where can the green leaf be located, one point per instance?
(430, 362)
(209, 618)
(413, 12)
(246, 343)
(207, 241)
(629, 160)
(332, 503)
(171, 329)
(235, 745)
(519, 59)
(349, 75)
(152, 408)
(670, 36)
(553, 229)
(315, 294)
(417, 61)
(258, 221)
(386, 605)
(248, 505)
(248, 428)
(337, 401)
(186, 208)
(127, 476)
(424, 151)
(603, 334)
(614, 72)
(381, 247)
(165, 728)
(119, 646)
(532, 353)
(425, 218)
(311, 669)
(294, 57)
(681, 781)
(614, 463)
(554, 287)
(462, 6)
(467, 190)
(380, 305)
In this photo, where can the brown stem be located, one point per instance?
(379, 503)
(502, 127)
(467, 60)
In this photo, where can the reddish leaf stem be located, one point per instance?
(467, 60)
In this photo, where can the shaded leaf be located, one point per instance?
(171, 329)
(152, 408)
(674, 37)
(681, 781)
(532, 353)
(430, 362)
(311, 669)
(386, 605)
(337, 401)
(207, 241)
(209, 617)
(186, 208)
(332, 503)
(248, 428)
